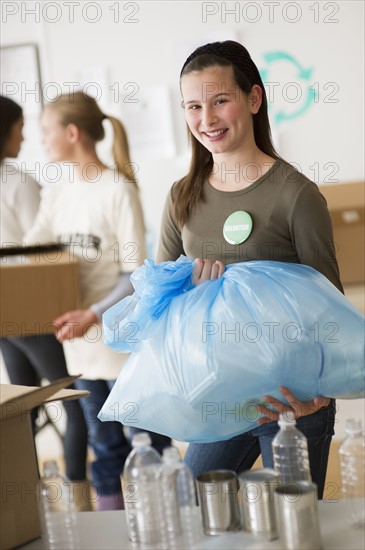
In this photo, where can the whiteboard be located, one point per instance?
(21, 76)
(21, 81)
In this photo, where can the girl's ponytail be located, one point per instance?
(121, 150)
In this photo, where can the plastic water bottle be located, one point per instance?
(179, 500)
(168, 484)
(142, 492)
(352, 460)
(290, 451)
(59, 513)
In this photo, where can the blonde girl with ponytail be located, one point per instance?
(96, 212)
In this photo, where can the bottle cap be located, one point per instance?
(50, 468)
(287, 419)
(353, 427)
(141, 440)
(170, 455)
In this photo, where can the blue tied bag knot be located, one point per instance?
(130, 321)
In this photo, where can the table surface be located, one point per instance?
(108, 530)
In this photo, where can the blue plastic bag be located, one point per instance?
(203, 357)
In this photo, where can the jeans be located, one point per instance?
(28, 359)
(108, 440)
(240, 452)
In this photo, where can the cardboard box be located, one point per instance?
(346, 203)
(35, 289)
(20, 517)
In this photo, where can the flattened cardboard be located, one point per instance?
(20, 518)
(16, 400)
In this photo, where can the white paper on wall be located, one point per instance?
(93, 80)
(146, 115)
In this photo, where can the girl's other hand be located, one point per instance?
(74, 324)
(206, 270)
(299, 408)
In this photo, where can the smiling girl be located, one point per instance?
(279, 215)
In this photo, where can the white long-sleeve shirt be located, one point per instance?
(102, 222)
(20, 198)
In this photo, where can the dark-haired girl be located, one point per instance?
(29, 359)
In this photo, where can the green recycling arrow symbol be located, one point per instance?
(302, 74)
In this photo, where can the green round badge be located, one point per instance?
(237, 227)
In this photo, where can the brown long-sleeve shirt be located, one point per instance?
(291, 223)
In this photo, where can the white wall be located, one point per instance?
(327, 139)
